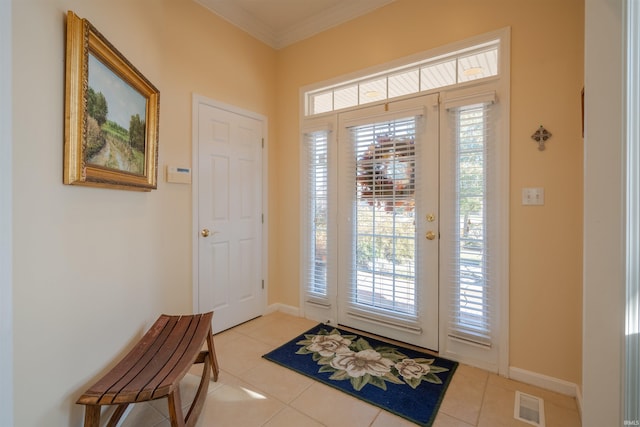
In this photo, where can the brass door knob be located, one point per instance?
(205, 232)
(430, 235)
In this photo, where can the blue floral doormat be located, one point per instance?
(408, 383)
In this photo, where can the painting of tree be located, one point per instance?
(115, 135)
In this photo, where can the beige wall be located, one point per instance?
(546, 76)
(94, 267)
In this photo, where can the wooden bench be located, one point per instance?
(153, 370)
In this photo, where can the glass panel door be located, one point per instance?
(388, 235)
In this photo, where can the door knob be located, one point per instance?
(430, 235)
(205, 232)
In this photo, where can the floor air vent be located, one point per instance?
(529, 409)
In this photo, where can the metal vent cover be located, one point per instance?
(529, 409)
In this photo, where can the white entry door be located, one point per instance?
(388, 216)
(229, 221)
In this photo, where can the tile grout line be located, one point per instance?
(373, 421)
(484, 395)
(274, 415)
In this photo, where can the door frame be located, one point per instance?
(197, 101)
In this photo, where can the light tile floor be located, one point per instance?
(254, 392)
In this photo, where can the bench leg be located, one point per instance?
(175, 408)
(175, 402)
(117, 414)
(92, 416)
(212, 354)
(201, 394)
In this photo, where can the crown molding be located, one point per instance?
(329, 18)
(240, 18)
(279, 38)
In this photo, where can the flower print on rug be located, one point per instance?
(348, 357)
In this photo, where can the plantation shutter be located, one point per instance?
(471, 297)
(316, 149)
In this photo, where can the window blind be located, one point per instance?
(316, 147)
(471, 302)
(383, 271)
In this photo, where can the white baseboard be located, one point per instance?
(283, 308)
(544, 381)
(548, 383)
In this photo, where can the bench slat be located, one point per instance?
(96, 392)
(144, 385)
(149, 351)
(181, 364)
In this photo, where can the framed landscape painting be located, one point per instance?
(111, 115)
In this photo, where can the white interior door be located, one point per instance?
(388, 220)
(229, 216)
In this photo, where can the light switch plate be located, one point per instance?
(533, 196)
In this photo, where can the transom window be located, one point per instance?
(466, 65)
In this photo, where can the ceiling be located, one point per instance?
(280, 23)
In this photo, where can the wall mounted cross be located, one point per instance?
(540, 136)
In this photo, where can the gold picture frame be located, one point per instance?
(111, 115)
